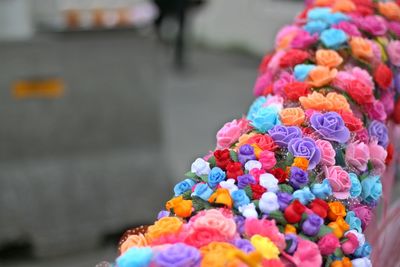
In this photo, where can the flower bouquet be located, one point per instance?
(295, 182)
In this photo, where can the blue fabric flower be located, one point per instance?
(356, 188)
(216, 176)
(202, 191)
(240, 198)
(257, 104)
(135, 257)
(304, 195)
(183, 186)
(265, 118)
(371, 188)
(301, 71)
(363, 251)
(322, 190)
(336, 18)
(316, 26)
(353, 221)
(333, 38)
(318, 13)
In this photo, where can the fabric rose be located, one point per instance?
(304, 195)
(328, 244)
(330, 126)
(269, 182)
(263, 141)
(202, 191)
(352, 123)
(217, 220)
(229, 185)
(292, 116)
(257, 191)
(178, 255)
(231, 132)
(265, 119)
(319, 207)
(234, 169)
(256, 106)
(376, 111)
(378, 131)
(363, 251)
(303, 39)
(305, 148)
(339, 227)
(265, 228)
(361, 262)
(328, 58)
(348, 27)
(298, 178)
(248, 210)
(361, 48)
(301, 163)
(294, 212)
(339, 102)
(336, 209)
(378, 157)
(333, 38)
(222, 196)
(327, 152)
(269, 202)
(279, 174)
(322, 190)
(246, 153)
(283, 134)
(222, 158)
(200, 167)
(240, 198)
(354, 222)
(295, 90)
(137, 241)
(302, 71)
(383, 76)
(393, 50)
(293, 57)
(351, 244)
(284, 200)
(357, 155)
(371, 188)
(216, 176)
(315, 27)
(339, 181)
(312, 225)
(266, 247)
(244, 245)
(245, 180)
(356, 188)
(135, 257)
(375, 25)
(316, 101)
(307, 254)
(359, 92)
(164, 226)
(267, 159)
(182, 208)
(321, 75)
(390, 10)
(252, 164)
(183, 186)
(364, 213)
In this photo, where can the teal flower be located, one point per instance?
(265, 118)
(240, 198)
(356, 188)
(304, 195)
(301, 71)
(183, 186)
(371, 188)
(216, 176)
(316, 26)
(363, 251)
(322, 190)
(353, 221)
(333, 38)
(319, 13)
(202, 191)
(135, 257)
(257, 104)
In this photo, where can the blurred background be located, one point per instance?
(104, 104)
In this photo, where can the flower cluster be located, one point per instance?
(297, 179)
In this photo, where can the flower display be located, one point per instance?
(295, 181)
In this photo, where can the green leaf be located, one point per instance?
(338, 253)
(187, 195)
(278, 217)
(324, 230)
(370, 166)
(289, 159)
(190, 175)
(286, 188)
(304, 217)
(340, 158)
(256, 203)
(234, 156)
(204, 178)
(200, 204)
(212, 162)
(328, 262)
(248, 191)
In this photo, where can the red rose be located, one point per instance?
(264, 63)
(351, 121)
(257, 190)
(295, 90)
(319, 207)
(264, 142)
(279, 174)
(268, 90)
(390, 152)
(360, 92)
(396, 112)
(294, 212)
(383, 76)
(293, 57)
(222, 158)
(234, 169)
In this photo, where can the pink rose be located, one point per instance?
(395, 27)
(387, 99)
(231, 132)
(363, 76)
(339, 180)
(256, 173)
(348, 27)
(275, 100)
(214, 219)
(327, 152)
(262, 82)
(393, 49)
(267, 159)
(266, 228)
(351, 244)
(376, 110)
(378, 157)
(284, 79)
(286, 32)
(362, 135)
(357, 155)
(328, 244)
(375, 25)
(364, 213)
(303, 39)
(306, 255)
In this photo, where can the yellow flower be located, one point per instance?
(215, 255)
(339, 227)
(221, 196)
(301, 163)
(265, 246)
(164, 226)
(290, 229)
(182, 208)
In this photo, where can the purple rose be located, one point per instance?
(305, 148)
(244, 245)
(245, 180)
(246, 153)
(364, 213)
(291, 241)
(298, 178)
(284, 200)
(312, 225)
(378, 131)
(283, 134)
(163, 214)
(330, 126)
(375, 25)
(178, 255)
(240, 221)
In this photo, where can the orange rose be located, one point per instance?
(345, 262)
(339, 102)
(221, 196)
(315, 101)
(321, 76)
(390, 10)
(323, 2)
(215, 255)
(328, 58)
(343, 6)
(339, 227)
(290, 229)
(257, 150)
(292, 116)
(182, 208)
(137, 241)
(361, 48)
(164, 226)
(243, 140)
(301, 163)
(336, 209)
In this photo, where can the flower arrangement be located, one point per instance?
(295, 182)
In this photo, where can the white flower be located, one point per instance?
(360, 237)
(229, 184)
(252, 164)
(361, 262)
(200, 167)
(249, 211)
(269, 202)
(269, 182)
